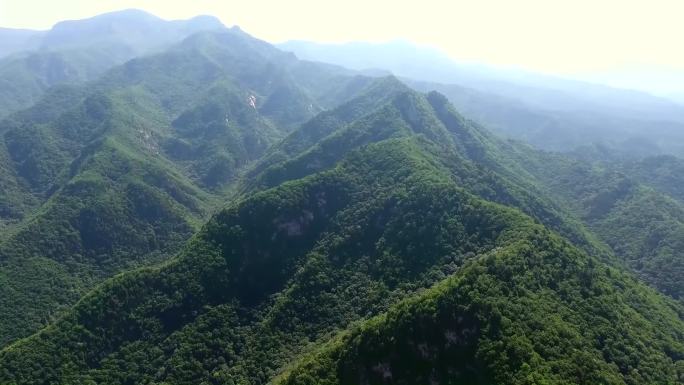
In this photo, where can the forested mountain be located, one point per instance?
(119, 172)
(535, 90)
(636, 216)
(564, 129)
(550, 113)
(222, 212)
(81, 50)
(368, 211)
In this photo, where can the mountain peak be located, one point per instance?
(437, 98)
(203, 22)
(356, 229)
(127, 15)
(131, 27)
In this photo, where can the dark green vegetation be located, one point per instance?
(119, 172)
(372, 204)
(635, 207)
(347, 230)
(532, 311)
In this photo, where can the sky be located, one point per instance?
(618, 42)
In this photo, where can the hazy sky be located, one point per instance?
(584, 38)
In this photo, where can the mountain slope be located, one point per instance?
(534, 311)
(370, 234)
(489, 167)
(663, 173)
(119, 172)
(642, 224)
(81, 50)
(397, 211)
(111, 206)
(550, 113)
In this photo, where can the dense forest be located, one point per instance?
(206, 208)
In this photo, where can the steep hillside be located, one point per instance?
(119, 172)
(626, 204)
(663, 173)
(531, 311)
(395, 211)
(489, 167)
(81, 50)
(217, 211)
(112, 205)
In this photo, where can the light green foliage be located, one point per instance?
(628, 208)
(363, 233)
(118, 173)
(307, 282)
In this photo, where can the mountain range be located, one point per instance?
(549, 112)
(81, 50)
(213, 209)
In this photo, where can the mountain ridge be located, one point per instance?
(120, 172)
(221, 212)
(550, 113)
(227, 268)
(80, 50)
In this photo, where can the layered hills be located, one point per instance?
(79, 50)
(222, 212)
(119, 172)
(378, 261)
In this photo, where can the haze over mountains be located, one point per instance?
(75, 51)
(206, 208)
(549, 112)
